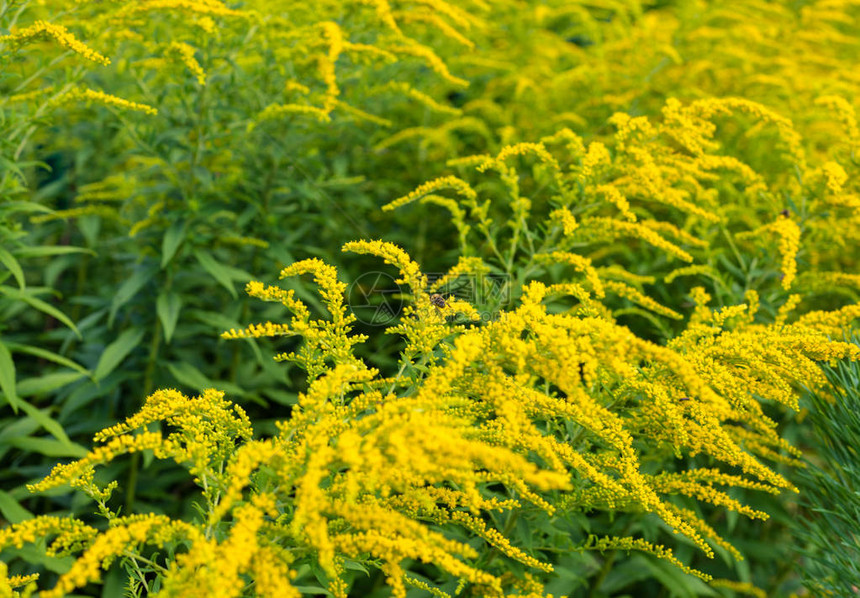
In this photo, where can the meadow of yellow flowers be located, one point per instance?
(622, 237)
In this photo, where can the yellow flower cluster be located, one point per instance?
(711, 435)
(459, 186)
(787, 234)
(106, 99)
(185, 53)
(58, 33)
(279, 110)
(358, 471)
(391, 41)
(627, 543)
(553, 403)
(673, 184)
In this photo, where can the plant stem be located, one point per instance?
(601, 575)
(148, 377)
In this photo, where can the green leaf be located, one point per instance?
(44, 384)
(37, 556)
(188, 375)
(90, 226)
(22, 426)
(172, 240)
(49, 250)
(317, 590)
(237, 274)
(234, 390)
(49, 423)
(26, 207)
(167, 306)
(281, 397)
(129, 289)
(10, 262)
(84, 394)
(12, 167)
(668, 574)
(115, 583)
(355, 566)
(11, 509)
(217, 271)
(7, 377)
(115, 352)
(48, 355)
(54, 188)
(37, 303)
(49, 447)
(217, 321)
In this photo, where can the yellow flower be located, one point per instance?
(91, 95)
(185, 53)
(459, 186)
(59, 34)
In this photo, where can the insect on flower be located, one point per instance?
(438, 300)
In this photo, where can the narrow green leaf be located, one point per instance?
(217, 271)
(84, 394)
(48, 355)
(115, 583)
(188, 375)
(234, 390)
(217, 321)
(115, 352)
(90, 226)
(237, 274)
(280, 396)
(355, 566)
(25, 207)
(11, 509)
(50, 250)
(52, 189)
(167, 307)
(14, 427)
(37, 303)
(12, 167)
(129, 289)
(682, 584)
(10, 262)
(172, 240)
(49, 447)
(36, 556)
(48, 383)
(49, 423)
(7, 377)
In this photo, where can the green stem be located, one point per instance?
(148, 382)
(137, 557)
(509, 526)
(607, 567)
(406, 361)
(601, 575)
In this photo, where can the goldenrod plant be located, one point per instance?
(669, 187)
(535, 411)
(172, 169)
(590, 376)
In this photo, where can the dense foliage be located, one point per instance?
(831, 485)
(576, 269)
